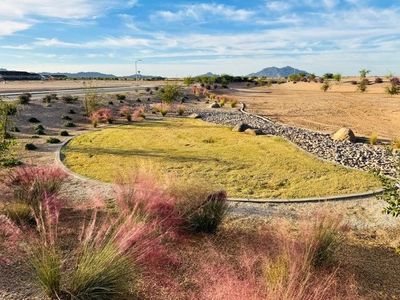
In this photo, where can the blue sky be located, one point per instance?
(179, 38)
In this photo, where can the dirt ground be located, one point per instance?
(305, 105)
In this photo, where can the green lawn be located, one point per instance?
(244, 165)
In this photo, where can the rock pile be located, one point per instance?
(355, 155)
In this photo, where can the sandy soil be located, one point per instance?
(305, 105)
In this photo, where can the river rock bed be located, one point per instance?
(355, 155)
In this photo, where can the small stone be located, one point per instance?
(194, 116)
(252, 131)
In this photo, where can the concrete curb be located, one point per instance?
(357, 196)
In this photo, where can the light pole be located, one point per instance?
(136, 71)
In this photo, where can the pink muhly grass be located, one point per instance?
(31, 184)
(104, 115)
(138, 114)
(149, 198)
(9, 239)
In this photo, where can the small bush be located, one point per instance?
(362, 85)
(33, 120)
(373, 139)
(46, 263)
(19, 213)
(209, 215)
(24, 98)
(325, 86)
(378, 80)
(170, 93)
(148, 89)
(52, 140)
(71, 112)
(126, 112)
(120, 97)
(233, 103)
(353, 82)
(102, 115)
(64, 133)
(101, 274)
(162, 108)
(181, 110)
(396, 143)
(49, 98)
(69, 124)
(30, 147)
(69, 99)
(110, 103)
(39, 130)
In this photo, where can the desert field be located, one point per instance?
(49, 85)
(305, 105)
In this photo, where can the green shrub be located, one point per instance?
(101, 274)
(69, 99)
(337, 77)
(69, 124)
(362, 85)
(49, 98)
(233, 103)
(24, 98)
(209, 215)
(52, 140)
(120, 97)
(39, 129)
(19, 213)
(33, 120)
(64, 133)
(396, 143)
(30, 147)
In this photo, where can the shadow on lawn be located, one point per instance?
(140, 153)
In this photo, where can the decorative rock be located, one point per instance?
(194, 116)
(215, 105)
(252, 131)
(240, 127)
(344, 134)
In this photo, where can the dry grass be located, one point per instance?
(245, 166)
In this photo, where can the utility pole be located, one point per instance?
(136, 69)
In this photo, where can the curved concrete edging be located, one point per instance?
(59, 161)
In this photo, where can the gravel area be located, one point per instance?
(355, 155)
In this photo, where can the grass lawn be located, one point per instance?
(244, 165)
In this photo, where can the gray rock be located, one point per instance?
(240, 127)
(215, 105)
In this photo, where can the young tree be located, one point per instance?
(325, 86)
(362, 85)
(169, 93)
(364, 73)
(7, 109)
(91, 99)
(337, 77)
(394, 87)
(188, 80)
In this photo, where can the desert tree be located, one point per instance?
(337, 77)
(91, 99)
(7, 109)
(362, 85)
(169, 93)
(394, 86)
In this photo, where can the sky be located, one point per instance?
(181, 38)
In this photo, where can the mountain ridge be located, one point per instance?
(277, 72)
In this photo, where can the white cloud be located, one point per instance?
(201, 11)
(10, 27)
(278, 5)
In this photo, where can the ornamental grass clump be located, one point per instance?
(103, 115)
(31, 184)
(126, 112)
(138, 114)
(162, 108)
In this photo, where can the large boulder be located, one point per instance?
(240, 127)
(253, 131)
(344, 134)
(215, 105)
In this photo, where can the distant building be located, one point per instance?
(18, 75)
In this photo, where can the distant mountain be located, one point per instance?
(208, 74)
(1, 69)
(277, 72)
(82, 75)
(140, 76)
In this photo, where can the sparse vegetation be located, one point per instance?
(373, 139)
(91, 100)
(69, 99)
(53, 140)
(325, 86)
(30, 147)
